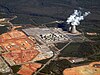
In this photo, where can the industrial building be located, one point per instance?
(46, 35)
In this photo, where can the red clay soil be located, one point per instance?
(20, 56)
(12, 35)
(18, 47)
(29, 69)
(17, 44)
(84, 70)
(70, 72)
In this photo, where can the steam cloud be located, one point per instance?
(76, 17)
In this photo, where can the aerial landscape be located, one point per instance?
(49, 37)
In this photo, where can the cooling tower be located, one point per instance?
(73, 29)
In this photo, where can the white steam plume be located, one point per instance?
(76, 17)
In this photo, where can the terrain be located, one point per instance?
(44, 11)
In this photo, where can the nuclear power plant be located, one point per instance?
(26, 44)
(74, 20)
(73, 29)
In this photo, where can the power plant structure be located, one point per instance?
(73, 29)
